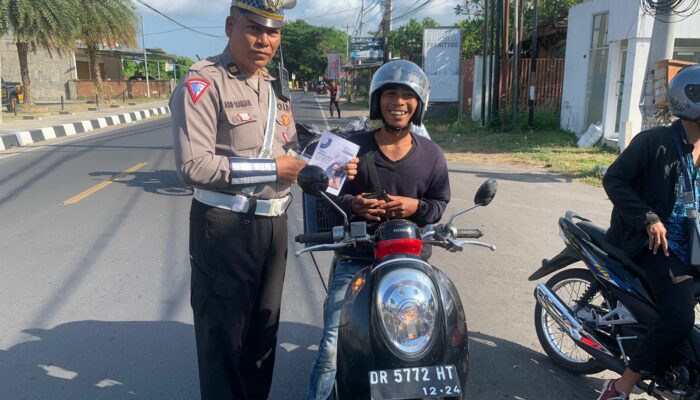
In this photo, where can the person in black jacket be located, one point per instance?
(648, 221)
(411, 170)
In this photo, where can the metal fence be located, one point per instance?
(549, 82)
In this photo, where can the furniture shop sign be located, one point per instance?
(441, 62)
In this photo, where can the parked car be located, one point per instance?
(12, 94)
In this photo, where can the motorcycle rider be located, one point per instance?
(410, 168)
(645, 185)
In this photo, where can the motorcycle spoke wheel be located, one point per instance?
(569, 285)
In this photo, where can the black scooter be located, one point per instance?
(588, 320)
(403, 332)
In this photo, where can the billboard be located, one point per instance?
(333, 68)
(441, 59)
(367, 49)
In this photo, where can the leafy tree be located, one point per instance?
(472, 39)
(183, 65)
(305, 48)
(49, 24)
(130, 68)
(407, 41)
(105, 22)
(472, 36)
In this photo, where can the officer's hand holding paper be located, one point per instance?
(334, 154)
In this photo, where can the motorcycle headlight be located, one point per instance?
(406, 302)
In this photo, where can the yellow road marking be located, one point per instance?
(102, 185)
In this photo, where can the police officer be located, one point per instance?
(232, 133)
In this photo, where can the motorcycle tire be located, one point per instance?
(588, 367)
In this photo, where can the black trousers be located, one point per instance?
(672, 284)
(238, 265)
(337, 107)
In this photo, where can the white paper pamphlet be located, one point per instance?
(331, 155)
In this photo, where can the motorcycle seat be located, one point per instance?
(597, 235)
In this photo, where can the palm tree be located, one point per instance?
(105, 22)
(50, 24)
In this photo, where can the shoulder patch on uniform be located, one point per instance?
(197, 86)
(232, 68)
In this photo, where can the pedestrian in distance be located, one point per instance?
(401, 175)
(232, 138)
(650, 221)
(333, 91)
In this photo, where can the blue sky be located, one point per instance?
(209, 15)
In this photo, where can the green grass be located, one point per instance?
(545, 145)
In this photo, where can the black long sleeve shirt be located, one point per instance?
(421, 174)
(643, 184)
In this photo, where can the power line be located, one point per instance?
(327, 14)
(182, 29)
(177, 22)
(413, 11)
(665, 7)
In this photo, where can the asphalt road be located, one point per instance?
(94, 296)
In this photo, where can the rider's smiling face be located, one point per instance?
(398, 104)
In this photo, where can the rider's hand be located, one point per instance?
(367, 208)
(288, 168)
(351, 168)
(657, 238)
(400, 207)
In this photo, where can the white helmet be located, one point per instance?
(684, 94)
(404, 73)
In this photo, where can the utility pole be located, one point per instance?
(362, 18)
(387, 29)
(496, 93)
(663, 38)
(505, 20)
(347, 45)
(145, 60)
(0, 88)
(533, 67)
(516, 59)
(483, 64)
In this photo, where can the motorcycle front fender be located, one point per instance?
(562, 260)
(455, 327)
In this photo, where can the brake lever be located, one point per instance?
(477, 243)
(321, 247)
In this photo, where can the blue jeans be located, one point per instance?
(323, 371)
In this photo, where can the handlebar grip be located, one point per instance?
(469, 233)
(319, 237)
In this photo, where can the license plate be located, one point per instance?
(4, 93)
(415, 383)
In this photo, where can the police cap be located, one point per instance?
(265, 12)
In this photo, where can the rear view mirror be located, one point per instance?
(486, 193)
(312, 180)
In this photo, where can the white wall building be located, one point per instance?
(607, 47)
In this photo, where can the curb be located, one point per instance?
(24, 138)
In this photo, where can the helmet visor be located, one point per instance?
(693, 93)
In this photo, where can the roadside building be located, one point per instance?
(607, 48)
(69, 74)
(47, 72)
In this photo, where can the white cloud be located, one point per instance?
(318, 12)
(323, 12)
(190, 9)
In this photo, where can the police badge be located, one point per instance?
(272, 5)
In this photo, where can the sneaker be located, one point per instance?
(610, 393)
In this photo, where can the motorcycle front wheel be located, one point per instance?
(569, 285)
